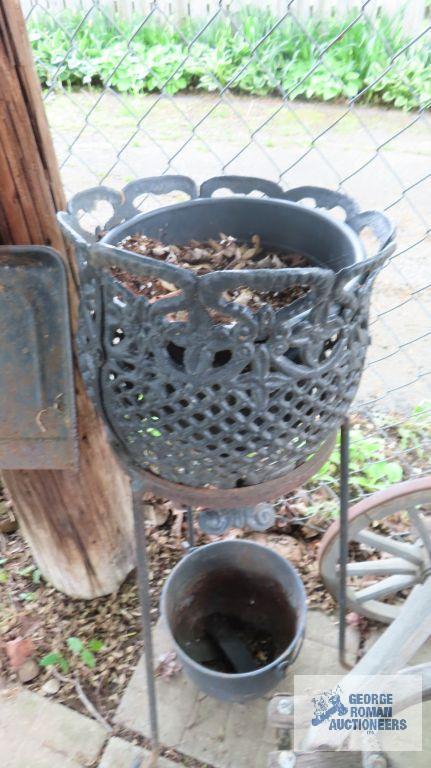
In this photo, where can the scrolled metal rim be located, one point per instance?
(107, 254)
(124, 209)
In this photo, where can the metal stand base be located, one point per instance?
(344, 538)
(138, 486)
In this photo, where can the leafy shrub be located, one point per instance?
(370, 469)
(251, 54)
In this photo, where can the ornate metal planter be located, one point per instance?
(243, 402)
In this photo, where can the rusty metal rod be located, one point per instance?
(344, 538)
(145, 605)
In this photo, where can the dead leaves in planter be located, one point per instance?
(227, 253)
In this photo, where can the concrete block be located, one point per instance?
(121, 754)
(43, 734)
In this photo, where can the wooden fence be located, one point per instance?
(414, 11)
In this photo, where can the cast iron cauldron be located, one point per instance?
(241, 402)
(229, 590)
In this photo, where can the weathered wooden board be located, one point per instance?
(78, 524)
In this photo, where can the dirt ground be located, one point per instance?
(381, 157)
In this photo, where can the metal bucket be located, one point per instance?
(236, 612)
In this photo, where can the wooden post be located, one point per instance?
(78, 524)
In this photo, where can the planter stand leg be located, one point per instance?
(344, 538)
(145, 605)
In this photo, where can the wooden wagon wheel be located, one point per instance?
(389, 549)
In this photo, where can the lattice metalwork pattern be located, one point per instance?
(224, 396)
(379, 157)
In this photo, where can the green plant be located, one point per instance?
(31, 571)
(27, 597)
(78, 650)
(410, 433)
(374, 463)
(55, 659)
(369, 468)
(321, 59)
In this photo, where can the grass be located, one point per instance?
(297, 62)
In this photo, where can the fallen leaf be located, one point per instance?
(19, 650)
(157, 512)
(288, 547)
(167, 665)
(353, 619)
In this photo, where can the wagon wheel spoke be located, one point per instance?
(386, 567)
(385, 587)
(422, 525)
(401, 549)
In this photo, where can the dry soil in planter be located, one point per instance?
(210, 256)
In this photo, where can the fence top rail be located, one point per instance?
(415, 11)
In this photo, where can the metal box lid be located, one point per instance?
(37, 408)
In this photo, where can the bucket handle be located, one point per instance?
(283, 665)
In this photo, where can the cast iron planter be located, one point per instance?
(241, 402)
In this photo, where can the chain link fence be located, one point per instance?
(160, 98)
